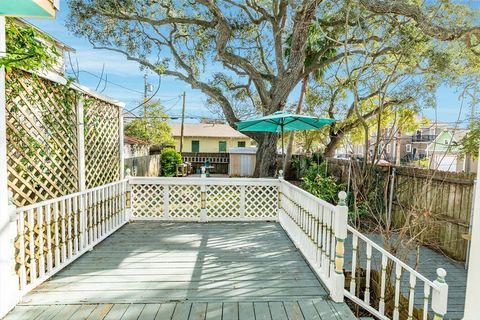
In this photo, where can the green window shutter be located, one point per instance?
(241, 144)
(222, 146)
(195, 146)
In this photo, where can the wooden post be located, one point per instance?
(121, 142)
(9, 288)
(203, 203)
(340, 228)
(472, 307)
(81, 172)
(128, 193)
(81, 145)
(440, 296)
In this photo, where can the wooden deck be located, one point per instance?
(152, 270)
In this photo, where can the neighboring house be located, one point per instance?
(415, 146)
(62, 49)
(200, 137)
(444, 152)
(30, 8)
(408, 146)
(134, 147)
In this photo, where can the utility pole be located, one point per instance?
(183, 122)
(145, 90)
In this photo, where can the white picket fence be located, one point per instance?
(53, 233)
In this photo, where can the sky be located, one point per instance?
(126, 79)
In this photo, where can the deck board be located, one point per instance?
(182, 271)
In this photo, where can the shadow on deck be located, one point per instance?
(153, 270)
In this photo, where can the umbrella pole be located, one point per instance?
(283, 153)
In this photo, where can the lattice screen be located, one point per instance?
(102, 151)
(41, 138)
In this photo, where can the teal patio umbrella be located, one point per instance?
(281, 122)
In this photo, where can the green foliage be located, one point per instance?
(325, 188)
(170, 158)
(152, 128)
(470, 143)
(422, 162)
(27, 48)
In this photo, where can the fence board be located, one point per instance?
(446, 197)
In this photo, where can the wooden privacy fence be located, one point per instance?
(61, 137)
(145, 166)
(444, 198)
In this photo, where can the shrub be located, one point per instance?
(325, 188)
(170, 158)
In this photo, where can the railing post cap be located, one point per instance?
(128, 172)
(280, 174)
(441, 274)
(342, 196)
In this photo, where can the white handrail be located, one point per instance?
(60, 230)
(391, 256)
(68, 196)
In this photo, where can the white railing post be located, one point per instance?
(280, 190)
(340, 228)
(440, 295)
(121, 145)
(203, 203)
(9, 288)
(128, 195)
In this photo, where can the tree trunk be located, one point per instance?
(266, 163)
(332, 145)
(291, 136)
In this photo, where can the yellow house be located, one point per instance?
(211, 138)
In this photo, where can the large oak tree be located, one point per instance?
(236, 49)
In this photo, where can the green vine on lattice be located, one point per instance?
(27, 48)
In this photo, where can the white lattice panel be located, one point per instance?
(184, 201)
(261, 201)
(223, 201)
(148, 200)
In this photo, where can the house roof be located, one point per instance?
(133, 140)
(455, 136)
(206, 131)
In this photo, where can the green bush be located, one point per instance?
(170, 158)
(325, 188)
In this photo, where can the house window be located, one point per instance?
(241, 144)
(195, 146)
(408, 148)
(445, 141)
(388, 148)
(432, 131)
(222, 146)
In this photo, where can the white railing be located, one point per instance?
(318, 229)
(201, 199)
(51, 234)
(430, 297)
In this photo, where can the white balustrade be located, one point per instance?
(53, 233)
(396, 279)
(197, 199)
(319, 230)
